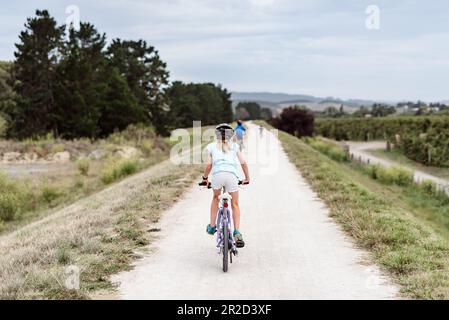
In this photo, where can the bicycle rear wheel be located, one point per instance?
(225, 247)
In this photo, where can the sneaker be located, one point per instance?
(239, 239)
(211, 230)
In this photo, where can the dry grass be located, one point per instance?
(98, 234)
(65, 183)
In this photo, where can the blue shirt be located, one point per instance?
(240, 130)
(224, 161)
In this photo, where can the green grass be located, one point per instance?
(397, 157)
(390, 175)
(43, 194)
(100, 241)
(333, 151)
(397, 224)
(116, 170)
(14, 198)
(83, 166)
(50, 194)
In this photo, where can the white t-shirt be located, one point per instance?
(224, 161)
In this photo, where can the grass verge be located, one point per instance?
(381, 219)
(98, 235)
(396, 156)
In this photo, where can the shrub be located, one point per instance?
(147, 147)
(390, 175)
(79, 183)
(59, 147)
(334, 152)
(402, 177)
(297, 121)
(118, 169)
(8, 206)
(430, 188)
(372, 171)
(50, 193)
(13, 198)
(83, 166)
(63, 255)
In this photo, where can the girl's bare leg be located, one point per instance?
(214, 208)
(235, 209)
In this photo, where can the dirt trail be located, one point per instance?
(360, 150)
(294, 250)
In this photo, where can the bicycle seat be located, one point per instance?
(225, 196)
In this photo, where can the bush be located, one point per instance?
(63, 255)
(8, 206)
(372, 171)
(50, 194)
(59, 147)
(297, 121)
(12, 199)
(83, 166)
(79, 183)
(331, 150)
(390, 175)
(147, 147)
(430, 188)
(118, 169)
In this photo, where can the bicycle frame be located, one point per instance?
(224, 226)
(224, 217)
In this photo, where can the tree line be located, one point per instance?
(252, 111)
(73, 84)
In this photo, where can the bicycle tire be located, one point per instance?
(225, 247)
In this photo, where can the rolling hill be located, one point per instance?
(277, 101)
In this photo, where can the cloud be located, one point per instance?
(317, 47)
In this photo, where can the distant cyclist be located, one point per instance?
(240, 131)
(223, 159)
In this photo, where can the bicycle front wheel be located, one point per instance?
(225, 247)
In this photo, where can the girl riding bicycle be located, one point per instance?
(223, 158)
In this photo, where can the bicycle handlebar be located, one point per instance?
(203, 184)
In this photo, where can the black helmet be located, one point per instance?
(224, 131)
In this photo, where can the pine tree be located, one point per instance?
(7, 94)
(36, 57)
(121, 107)
(147, 78)
(203, 102)
(83, 85)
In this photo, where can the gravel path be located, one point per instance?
(294, 250)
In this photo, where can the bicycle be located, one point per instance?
(225, 240)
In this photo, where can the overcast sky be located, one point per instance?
(317, 47)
